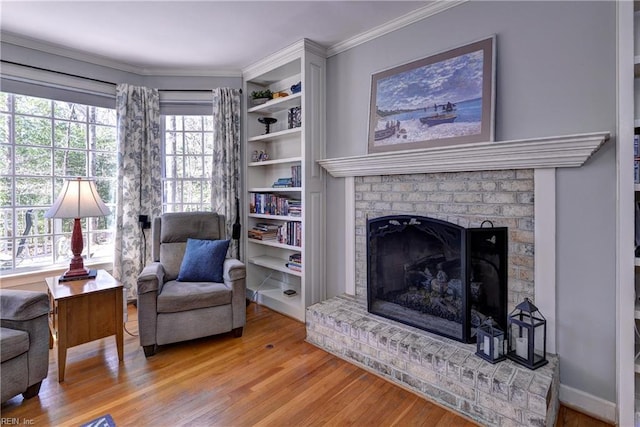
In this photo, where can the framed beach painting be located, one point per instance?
(444, 99)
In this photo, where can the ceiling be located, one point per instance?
(196, 36)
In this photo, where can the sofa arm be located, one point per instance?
(151, 278)
(19, 305)
(234, 273)
(29, 311)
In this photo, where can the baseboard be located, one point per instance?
(588, 404)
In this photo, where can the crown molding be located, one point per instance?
(431, 9)
(65, 52)
(534, 153)
(282, 57)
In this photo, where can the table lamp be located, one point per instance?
(78, 199)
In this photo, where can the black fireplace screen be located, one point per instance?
(436, 275)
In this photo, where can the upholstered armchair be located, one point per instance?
(24, 342)
(190, 290)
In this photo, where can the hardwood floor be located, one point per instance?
(269, 377)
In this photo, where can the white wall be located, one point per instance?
(555, 75)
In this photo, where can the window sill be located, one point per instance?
(39, 275)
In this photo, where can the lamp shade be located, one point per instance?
(79, 198)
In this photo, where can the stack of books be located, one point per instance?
(295, 262)
(264, 231)
(636, 159)
(295, 208)
(283, 183)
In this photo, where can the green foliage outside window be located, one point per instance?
(45, 142)
(188, 163)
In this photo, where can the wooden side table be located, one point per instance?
(84, 311)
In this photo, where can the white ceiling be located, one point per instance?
(196, 36)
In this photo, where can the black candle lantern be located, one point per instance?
(490, 341)
(527, 336)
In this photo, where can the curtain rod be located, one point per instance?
(63, 73)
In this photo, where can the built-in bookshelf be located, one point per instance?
(636, 174)
(283, 184)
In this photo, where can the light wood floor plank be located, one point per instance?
(268, 377)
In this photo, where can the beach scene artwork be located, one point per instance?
(429, 103)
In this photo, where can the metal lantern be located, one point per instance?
(490, 341)
(527, 336)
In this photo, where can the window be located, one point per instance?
(42, 143)
(188, 163)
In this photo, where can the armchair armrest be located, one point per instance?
(151, 278)
(150, 282)
(234, 273)
(19, 305)
(232, 270)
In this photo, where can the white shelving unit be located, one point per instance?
(636, 123)
(627, 405)
(636, 315)
(636, 311)
(287, 145)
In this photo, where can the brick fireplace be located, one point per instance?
(464, 198)
(510, 183)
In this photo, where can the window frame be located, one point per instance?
(171, 178)
(52, 233)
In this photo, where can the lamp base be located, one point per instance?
(71, 275)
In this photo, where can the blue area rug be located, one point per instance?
(103, 421)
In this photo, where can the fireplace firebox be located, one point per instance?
(436, 275)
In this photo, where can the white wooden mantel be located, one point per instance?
(543, 155)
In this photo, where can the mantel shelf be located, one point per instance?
(548, 152)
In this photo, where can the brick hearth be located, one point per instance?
(440, 369)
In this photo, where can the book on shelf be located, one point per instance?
(295, 208)
(283, 183)
(290, 233)
(262, 235)
(264, 231)
(295, 262)
(296, 175)
(293, 266)
(271, 204)
(297, 257)
(265, 226)
(636, 159)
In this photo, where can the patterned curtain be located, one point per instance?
(139, 190)
(226, 156)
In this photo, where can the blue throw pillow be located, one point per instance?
(203, 261)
